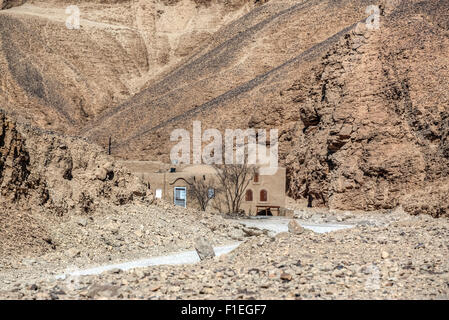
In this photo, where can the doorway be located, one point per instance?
(265, 212)
(180, 196)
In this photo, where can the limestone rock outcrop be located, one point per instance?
(7, 4)
(374, 119)
(362, 112)
(45, 178)
(59, 173)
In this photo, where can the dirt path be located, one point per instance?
(187, 257)
(274, 225)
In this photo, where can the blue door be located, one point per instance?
(180, 196)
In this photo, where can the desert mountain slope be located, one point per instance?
(362, 114)
(253, 45)
(233, 108)
(363, 126)
(374, 128)
(46, 177)
(61, 78)
(65, 199)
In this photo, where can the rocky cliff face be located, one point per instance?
(59, 174)
(373, 129)
(45, 178)
(7, 4)
(14, 161)
(62, 78)
(362, 114)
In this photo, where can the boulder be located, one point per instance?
(82, 221)
(73, 253)
(294, 227)
(101, 174)
(105, 291)
(286, 276)
(204, 249)
(254, 232)
(108, 166)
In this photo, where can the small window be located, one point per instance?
(263, 195)
(256, 177)
(249, 195)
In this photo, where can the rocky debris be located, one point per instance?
(356, 217)
(382, 144)
(365, 126)
(346, 264)
(82, 221)
(120, 234)
(204, 249)
(286, 276)
(433, 200)
(7, 4)
(56, 206)
(103, 291)
(295, 228)
(73, 253)
(45, 177)
(101, 174)
(254, 232)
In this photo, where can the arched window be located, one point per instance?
(249, 195)
(263, 195)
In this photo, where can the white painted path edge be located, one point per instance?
(189, 257)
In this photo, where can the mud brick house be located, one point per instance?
(265, 194)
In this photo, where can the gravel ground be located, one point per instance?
(125, 233)
(280, 224)
(406, 258)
